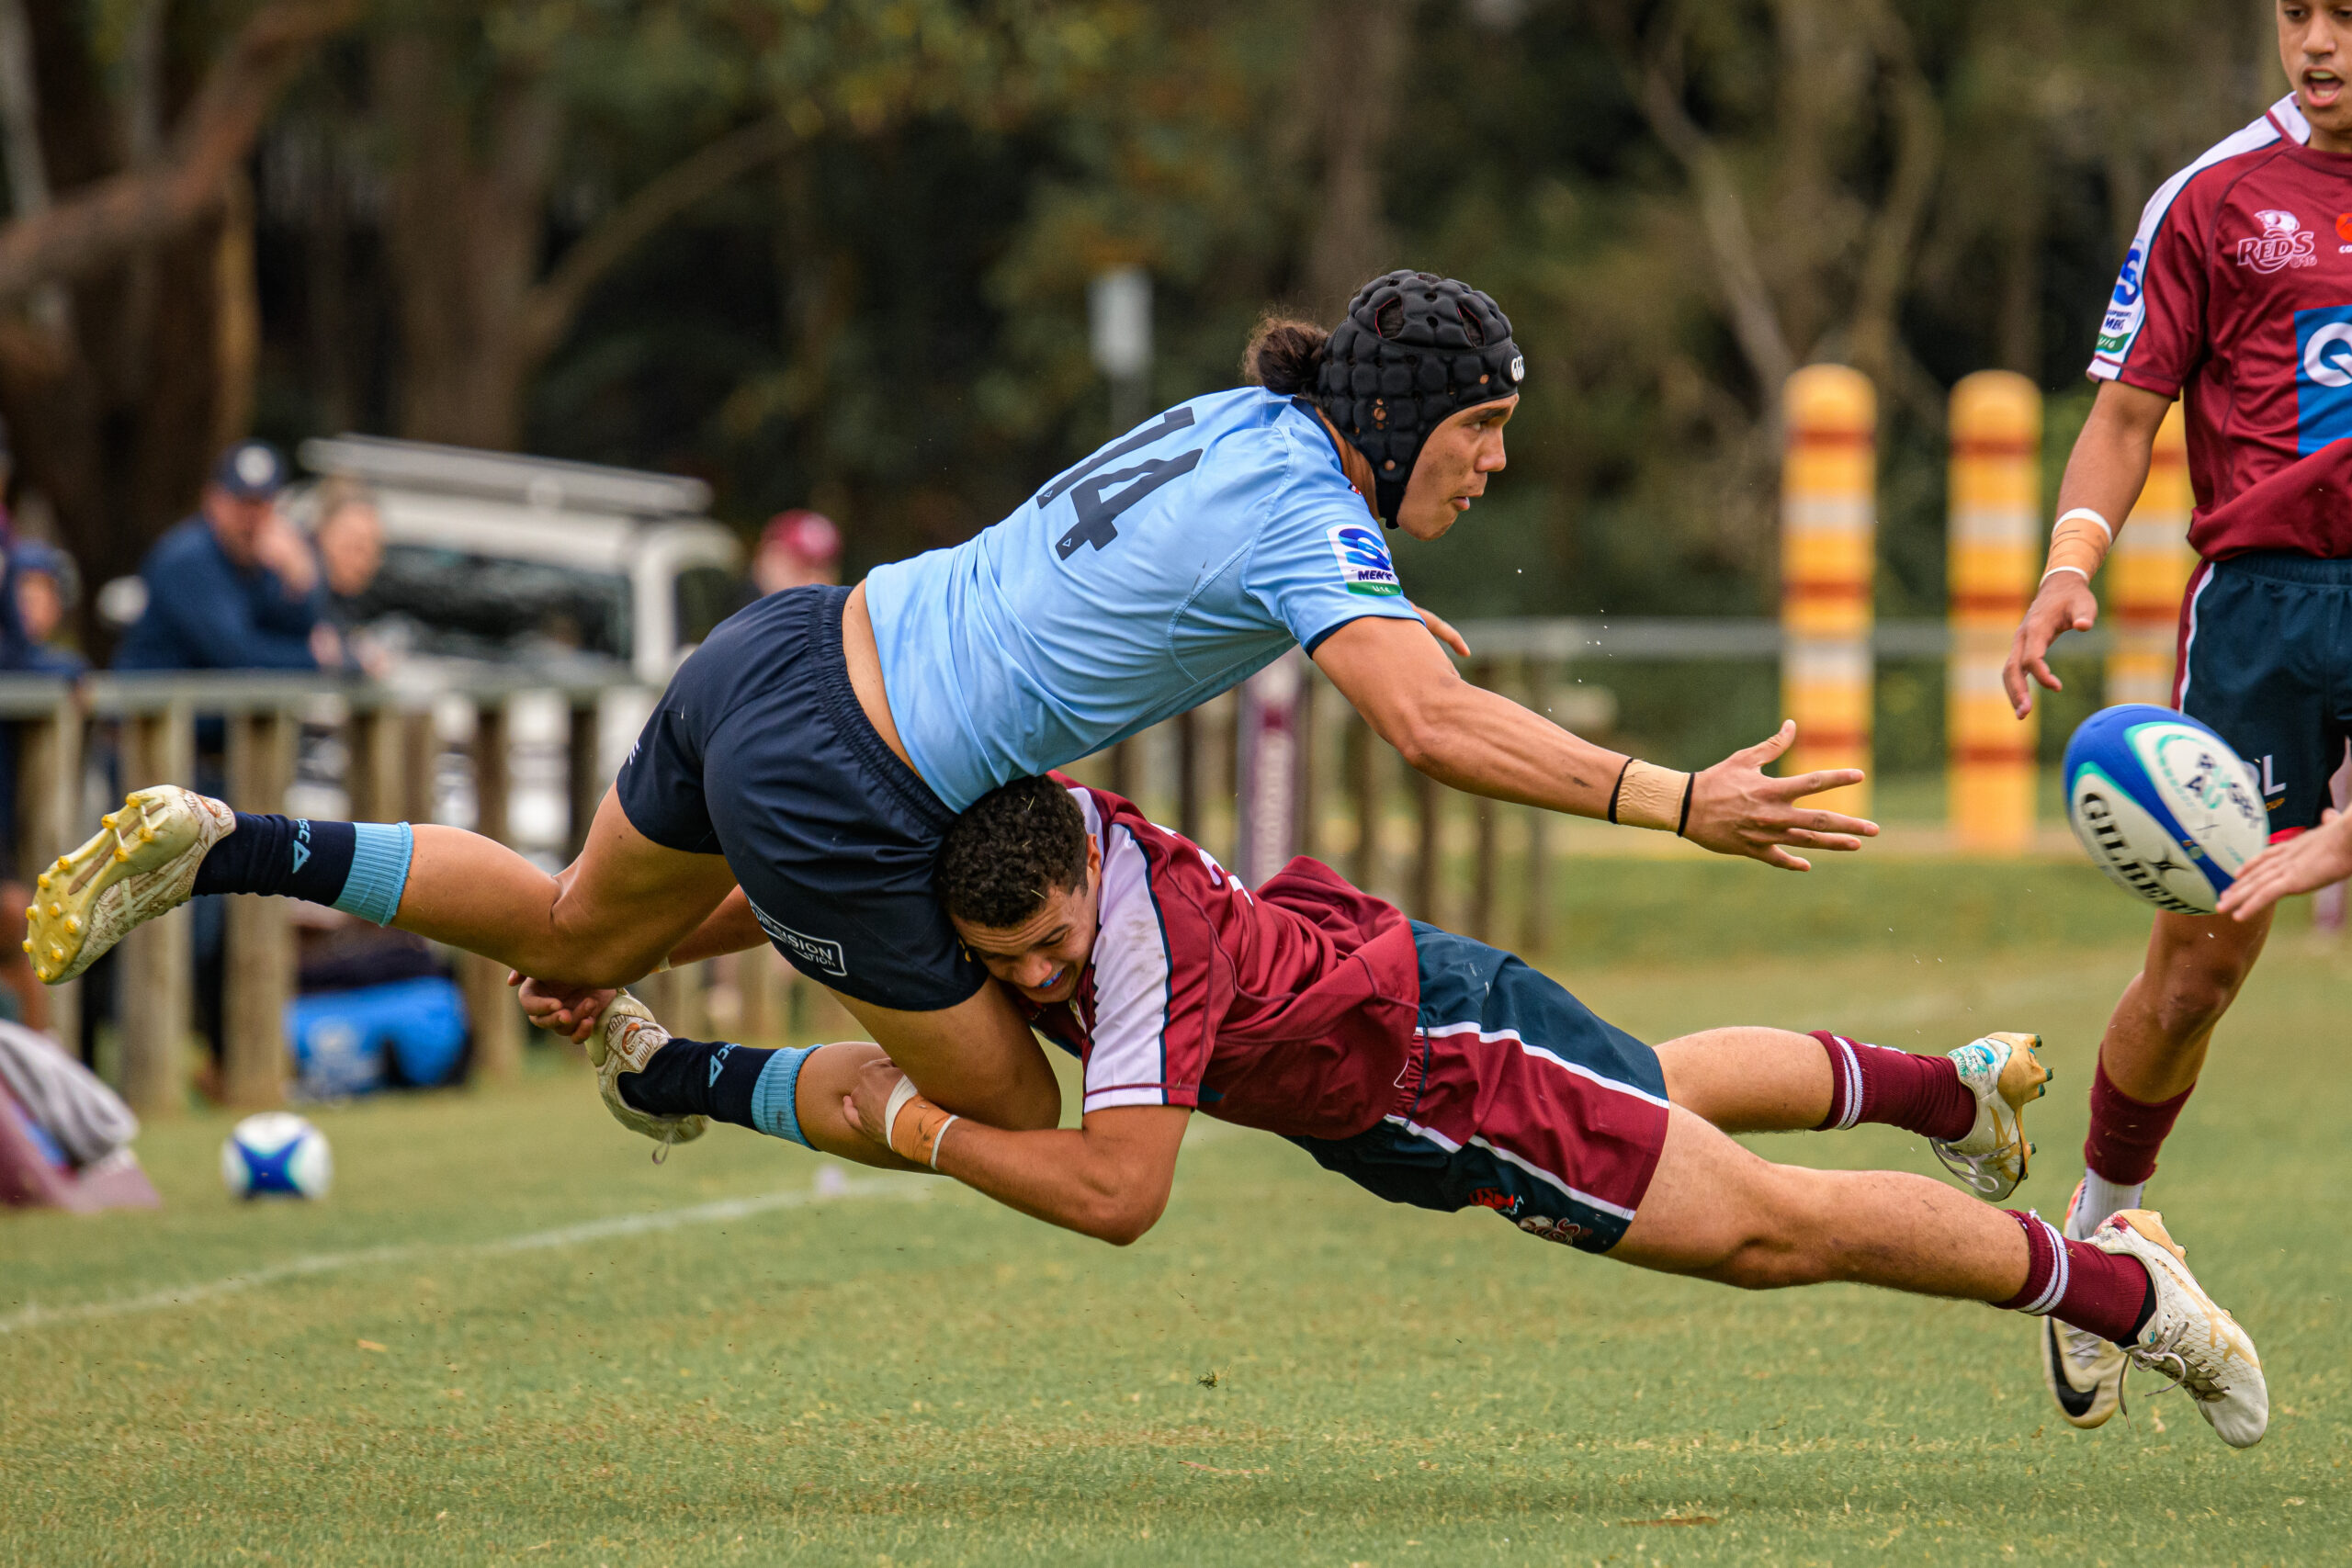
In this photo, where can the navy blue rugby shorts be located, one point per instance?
(2266, 659)
(760, 752)
(1519, 1099)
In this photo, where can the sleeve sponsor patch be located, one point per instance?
(1364, 565)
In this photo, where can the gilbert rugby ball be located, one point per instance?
(276, 1155)
(2163, 806)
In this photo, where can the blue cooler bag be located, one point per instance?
(409, 1032)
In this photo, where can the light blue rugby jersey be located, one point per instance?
(1172, 564)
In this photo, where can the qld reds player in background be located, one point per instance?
(2237, 298)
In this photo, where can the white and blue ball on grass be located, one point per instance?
(276, 1155)
(2163, 806)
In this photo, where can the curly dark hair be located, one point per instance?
(1285, 355)
(1009, 850)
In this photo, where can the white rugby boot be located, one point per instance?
(2191, 1339)
(141, 863)
(2085, 1372)
(2003, 1074)
(623, 1041)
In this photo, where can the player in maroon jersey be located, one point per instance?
(2235, 298)
(1439, 1072)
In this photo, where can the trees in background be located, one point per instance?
(837, 250)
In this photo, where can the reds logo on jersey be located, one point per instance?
(2283, 243)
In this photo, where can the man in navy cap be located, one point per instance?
(232, 588)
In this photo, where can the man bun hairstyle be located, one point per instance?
(1415, 350)
(1285, 355)
(1010, 850)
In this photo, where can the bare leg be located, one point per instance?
(1719, 1213)
(1749, 1080)
(607, 918)
(2155, 1040)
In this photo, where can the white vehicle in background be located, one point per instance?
(520, 570)
(529, 562)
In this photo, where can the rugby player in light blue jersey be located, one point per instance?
(796, 782)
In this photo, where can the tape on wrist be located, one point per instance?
(939, 1139)
(1650, 796)
(912, 1124)
(2078, 544)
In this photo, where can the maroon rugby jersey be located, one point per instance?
(2237, 295)
(1291, 1009)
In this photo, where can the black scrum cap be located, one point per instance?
(1415, 350)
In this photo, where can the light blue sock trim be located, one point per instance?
(772, 1107)
(380, 857)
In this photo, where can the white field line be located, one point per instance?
(32, 1315)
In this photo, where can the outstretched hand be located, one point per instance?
(2304, 863)
(1736, 809)
(2064, 603)
(569, 1010)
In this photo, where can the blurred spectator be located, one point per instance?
(797, 548)
(45, 588)
(347, 533)
(233, 587)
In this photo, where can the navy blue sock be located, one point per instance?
(689, 1078)
(288, 855)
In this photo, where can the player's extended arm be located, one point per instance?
(2104, 475)
(2304, 863)
(572, 1010)
(1108, 1179)
(1474, 739)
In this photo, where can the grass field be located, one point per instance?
(507, 1337)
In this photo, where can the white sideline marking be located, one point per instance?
(32, 1315)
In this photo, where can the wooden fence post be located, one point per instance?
(152, 970)
(1188, 776)
(259, 938)
(1481, 922)
(1428, 812)
(756, 983)
(586, 779)
(1309, 809)
(498, 1026)
(372, 779)
(49, 792)
(1535, 915)
(1122, 769)
(420, 764)
(1364, 784)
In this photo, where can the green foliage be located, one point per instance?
(891, 323)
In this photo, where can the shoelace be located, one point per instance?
(2167, 1360)
(1970, 1169)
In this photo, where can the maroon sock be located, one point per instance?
(2102, 1293)
(2126, 1133)
(1918, 1094)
